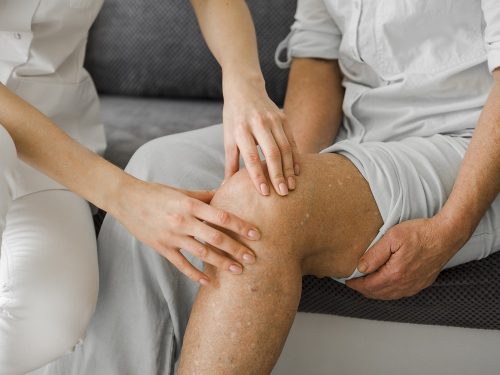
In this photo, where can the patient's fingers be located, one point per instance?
(221, 241)
(374, 285)
(183, 265)
(210, 256)
(224, 220)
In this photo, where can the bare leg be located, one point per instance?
(239, 323)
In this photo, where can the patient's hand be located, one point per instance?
(407, 259)
(168, 219)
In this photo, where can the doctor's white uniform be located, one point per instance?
(48, 262)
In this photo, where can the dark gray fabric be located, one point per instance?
(131, 122)
(155, 48)
(465, 296)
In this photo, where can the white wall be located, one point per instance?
(332, 345)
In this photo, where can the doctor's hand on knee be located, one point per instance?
(251, 119)
(168, 219)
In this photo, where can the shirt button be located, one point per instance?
(18, 36)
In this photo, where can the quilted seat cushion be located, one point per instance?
(464, 296)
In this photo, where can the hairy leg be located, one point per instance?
(239, 323)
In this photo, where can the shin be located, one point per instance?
(239, 323)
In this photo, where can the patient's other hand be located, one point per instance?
(407, 259)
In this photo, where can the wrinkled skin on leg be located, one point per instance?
(239, 323)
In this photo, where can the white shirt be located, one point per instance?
(42, 48)
(410, 67)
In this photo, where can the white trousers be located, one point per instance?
(48, 271)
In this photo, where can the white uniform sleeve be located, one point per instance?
(491, 11)
(314, 34)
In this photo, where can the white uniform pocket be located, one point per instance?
(425, 36)
(15, 32)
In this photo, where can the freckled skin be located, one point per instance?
(239, 323)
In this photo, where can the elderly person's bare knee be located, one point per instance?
(323, 227)
(320, 228)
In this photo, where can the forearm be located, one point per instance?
(230, 34)
(313, 103)
(478, 182)
(47, 148)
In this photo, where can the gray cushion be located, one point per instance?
(155, 48)
(465, 296)
(131, 122)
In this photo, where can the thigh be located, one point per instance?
(192, 160)
(49, 277)
(413, 178)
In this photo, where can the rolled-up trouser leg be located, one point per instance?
(144, 301)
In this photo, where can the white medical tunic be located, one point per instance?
(410, 67)
(42, 48)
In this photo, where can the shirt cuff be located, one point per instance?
(314, 44)
(308, 44)
(493, 59)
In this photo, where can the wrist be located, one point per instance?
(454, 229)
(236, 81)
(121, 194)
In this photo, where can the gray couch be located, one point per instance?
(156, 77)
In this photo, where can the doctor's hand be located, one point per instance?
(251, 119)
(407, 259)
(168, 219)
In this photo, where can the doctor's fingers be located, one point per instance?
(251, 158)
(230, 248)
(223, 219)
(285, 144)
(175, 257)
(232, 158)
(293, 144)
(210, 255)
(274, 158)
(278, 125)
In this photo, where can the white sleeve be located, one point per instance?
(314, 34)
(491, 12)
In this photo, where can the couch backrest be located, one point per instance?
(155, 48)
